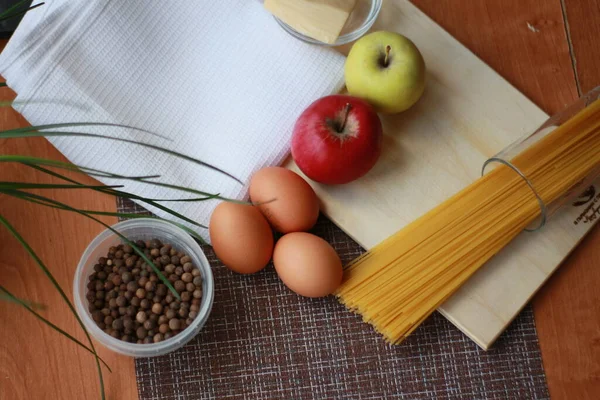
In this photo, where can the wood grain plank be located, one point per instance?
(567, 309)
(35, 361)
(583, 27)
(524, 41)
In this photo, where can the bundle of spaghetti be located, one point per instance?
(397, 284)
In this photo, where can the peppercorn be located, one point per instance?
(163, 328)
(173, 252)
(169, 269)
(194, 307)
(197, 293)
(179, 271)
(98, 316)
(118, 324)
(145, 304)
(129, 262)
(140, 293)
(155, 244)
(142, 281)
(190, 287)
(165, 250)
(141, 317)
(132, 286)
(170, 314)
(185, 259)
(179, 286)
(131, 311)
(183, 312)
(126, 277)
(172, 278)
(147, 340)
(116, 280)
(165, 260)
(174, 324)
(195, 272)
(161, 289)
(119, 263)
(128, 323)
(157, 308)
(162, 320)
(188, 267)
(121, 301)
(149, 324)
(141, 332)
(185, 296)
(150, 286)
(158, 337)
(187, 277)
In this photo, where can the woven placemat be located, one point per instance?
(264, 342)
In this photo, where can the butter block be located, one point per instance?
(322, 20)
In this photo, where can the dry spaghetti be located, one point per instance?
(401, 281)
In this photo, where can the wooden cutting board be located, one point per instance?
(467, 114)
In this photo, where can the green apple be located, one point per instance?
(387, 70)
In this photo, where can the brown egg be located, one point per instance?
(288, 202)
(307, 264)
(241, 237)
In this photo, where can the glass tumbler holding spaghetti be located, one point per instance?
(575, 132)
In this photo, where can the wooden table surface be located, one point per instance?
(548, 49)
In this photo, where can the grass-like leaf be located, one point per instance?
(27, 160)
(49, 275)
(152, 202)
(80, 124)
(33, 132)
(12, 299)
(5, 294)
(25, 185)
(7, 14)
(66, 207)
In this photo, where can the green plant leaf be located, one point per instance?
(30, 161)
(5, 294)
(12, 299)
(49, 275)
(25, 185)
(118, 193)
(14, 7)
(6, 15)
(33, 132)
(80, 124)
(21, 194)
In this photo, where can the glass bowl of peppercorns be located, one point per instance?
(126, 305)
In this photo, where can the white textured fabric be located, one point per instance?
(220, 79)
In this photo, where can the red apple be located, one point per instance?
(337, 139)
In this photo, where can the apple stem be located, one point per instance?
(387, 55)
(346, 112)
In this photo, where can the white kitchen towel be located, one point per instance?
(219, 79)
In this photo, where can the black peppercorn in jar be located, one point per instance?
(137, 299)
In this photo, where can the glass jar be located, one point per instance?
(507, 156)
